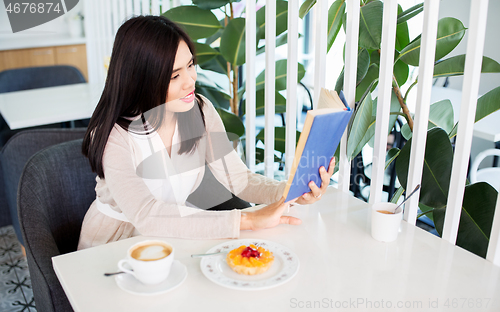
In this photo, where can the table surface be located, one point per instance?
(42, 106)
(341, 268)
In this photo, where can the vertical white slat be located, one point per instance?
(130, 8)
(384, 98)
(321, 21)
(108, 28)
(91, 47)
(470, 88)
(145, 7)
(291, 84)
(155, 7)
(350, 69)
(250, 52)
(270, 88)
(493, 253)
(100, 35)
(137, 7)
(115, 13)
(122, 15)
(426, 70)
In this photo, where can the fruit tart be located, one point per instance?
(250, 260)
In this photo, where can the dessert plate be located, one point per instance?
(284, 268)
(177, 276)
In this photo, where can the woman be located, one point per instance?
(149, 139)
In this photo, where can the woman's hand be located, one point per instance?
(268, 217)
(316, 192)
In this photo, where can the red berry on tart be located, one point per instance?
(250, 260)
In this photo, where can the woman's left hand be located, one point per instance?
(316, 192)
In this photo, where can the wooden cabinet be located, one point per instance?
(75, 55)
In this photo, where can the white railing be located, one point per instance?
(103, 19)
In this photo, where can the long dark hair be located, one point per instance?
(138, 80)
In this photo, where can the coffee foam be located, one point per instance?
(151, 252)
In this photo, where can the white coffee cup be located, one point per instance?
(150, 261)
(385, 223)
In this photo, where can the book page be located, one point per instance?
(329, 99)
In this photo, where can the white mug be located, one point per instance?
(150, 261)
(385, 226)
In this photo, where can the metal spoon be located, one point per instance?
(110, 274)
(413, 192)
(208, 254)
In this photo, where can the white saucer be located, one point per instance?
(177, 276)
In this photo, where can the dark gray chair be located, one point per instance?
(55, 191)
(16, 153)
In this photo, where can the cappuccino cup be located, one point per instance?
(148, 261)
(386, 221)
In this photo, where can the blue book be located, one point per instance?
(320, 137)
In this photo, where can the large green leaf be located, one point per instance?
(232, 123)
(411, 12)
(204, 82)
(436, 172)
(454, 66)
(280, 76)
(197, 22)
(259, 156)
(212, 4)
(362, 69)
(232, 42)
(440, 115)
(218, 64)
(401, 72)
(279, 138)
(402, 33)
(306, 7)
(204, 52)
(371, 75)
(335, 17)
(488, 103)
(391, 156)
(363, 119)
(476, 218)
(281, 19)
(279, 103)
(370, 25)
(217, 98)
(449, 34)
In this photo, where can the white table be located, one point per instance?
(340, 265)
(37, 107)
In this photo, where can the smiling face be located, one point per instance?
(180, 95)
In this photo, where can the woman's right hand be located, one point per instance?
(268, 217)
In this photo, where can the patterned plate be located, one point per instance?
(284, 268)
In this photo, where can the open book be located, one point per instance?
(320, 137)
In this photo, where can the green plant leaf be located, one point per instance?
(411, 12)
(279, 103)
(401, 72)
(363, 120)
(217, 98)
(280, 40)
(212, 4)
(363, 64)
(280, 76)
(204, 82)
(402, 33)
(335, 16)
(391, 155)
(218, 64)
(488, 103)
(436, 172)
(281, 19)
(371, 75)
(306, 7)
(232, 123)
(397, 195)
(204, 52)
(440, 115)
(454, 66)
(370, 25)
(449, 34)
(232, 42)
(197, 22)
(279, 138)
(211, 39)
(476, 218)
